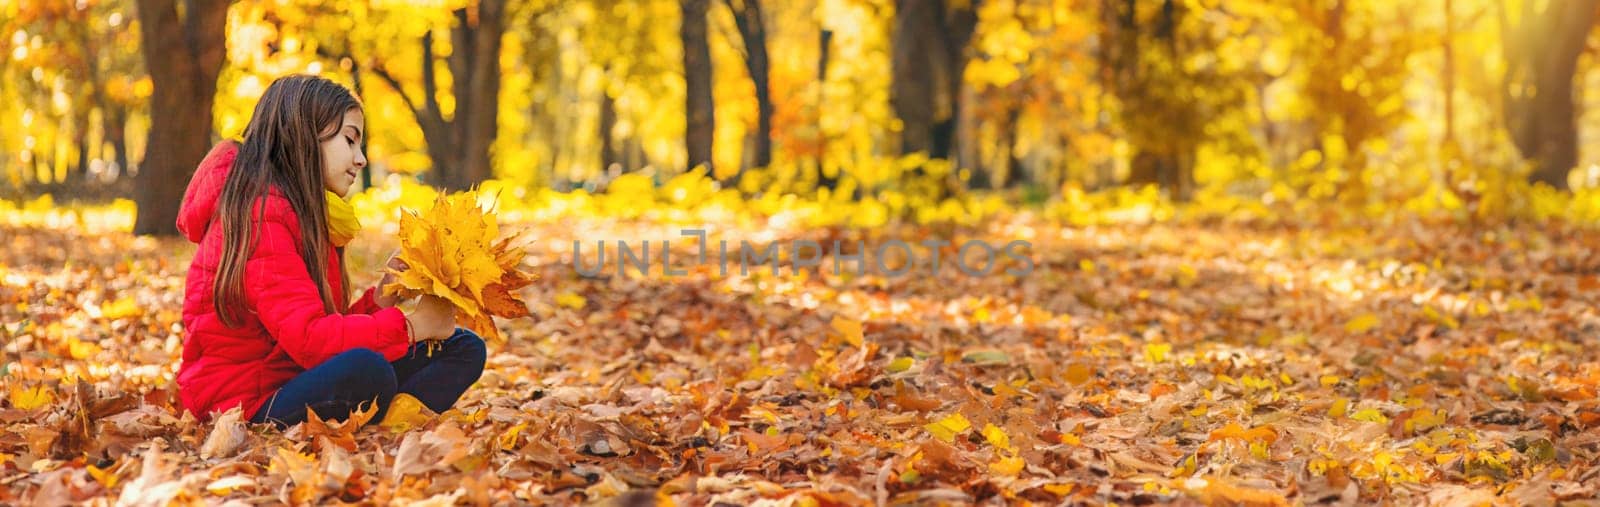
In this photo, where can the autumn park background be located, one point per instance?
(1282, 252)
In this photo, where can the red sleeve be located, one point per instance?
(367, 303)
(280, 291)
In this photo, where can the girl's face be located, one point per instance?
(342, 159)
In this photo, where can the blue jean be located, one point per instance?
(356, 378)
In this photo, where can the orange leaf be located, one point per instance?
(1161, 388)
(905, 399)
(1234, 430)
(760, 442)
(1213, 491)
(499, 301)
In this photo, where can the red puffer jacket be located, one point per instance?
(285, 329)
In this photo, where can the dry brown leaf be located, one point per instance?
(227, 434)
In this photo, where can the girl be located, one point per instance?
(267, 312)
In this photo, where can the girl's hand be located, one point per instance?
(434, 319)
(394, 264)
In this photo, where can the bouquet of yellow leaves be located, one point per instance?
(454, 251)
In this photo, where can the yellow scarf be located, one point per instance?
(342, 221)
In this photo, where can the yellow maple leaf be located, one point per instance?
(29, 398)
(107, 477)
(1007, 466)
(1340, 407)
(1157, 352)
(1234, 430)
(901, 364)
(946, 429)
(848, 329)
(571, 300)
(454, 251)
(997, 437)
(508, 440)
(1370, 415)
(1362, 323)
(405, 412)
(121, 309)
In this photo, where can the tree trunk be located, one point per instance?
(117, 134)
(752, 29)
(80, 140)
(824, 52)
(478, 95)
(1169, 170)
(1449, 77)
(914, 79)
(459, 146)
(183, 55)
(97, 96)
(698, 105)
(928, 57)
(1008, 149)
(608, 122)
(927, 60)
(355, 81)
(1541, 54)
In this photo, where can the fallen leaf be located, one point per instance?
(1008, 467)
(405, 412)
(1215, 491)
(30, 398)
(1235, 431)
(946, 429)
(227, 434)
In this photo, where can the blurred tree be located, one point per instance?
(752, 30)
(459, 143)
(1147, 82)
(184, 51)
(1541, 43)
(929, 58)
(1352, 77)
(1033, 110)
(699, 106)
(88, 85)
(626, 47)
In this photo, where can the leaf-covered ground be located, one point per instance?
(1218, 363)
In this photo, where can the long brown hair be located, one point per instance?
(282, 151)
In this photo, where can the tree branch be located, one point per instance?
(430, 89)
(383, 74)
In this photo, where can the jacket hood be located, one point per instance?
(200, 199)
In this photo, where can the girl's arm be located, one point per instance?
(372, 300)
(285, 299)
(367, 303)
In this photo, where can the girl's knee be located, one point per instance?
(366, 364)
(469, 346)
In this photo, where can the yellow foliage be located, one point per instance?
(1339, 408)
(1157, 352)
(1235, 431)
(405, 412)
(29, 398)
(121, 308)
(848, 329)
(997, 437)
(1008, 467)
(571, 300)
(1362, 323)
(1370, 415)
(900, 364)
(454, 251)
(946, 429)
